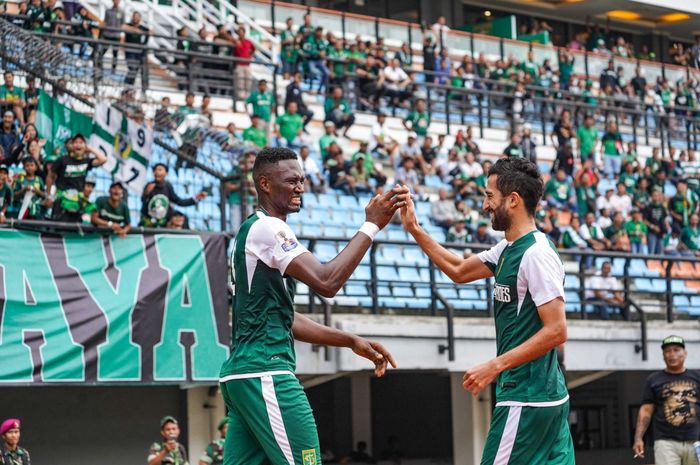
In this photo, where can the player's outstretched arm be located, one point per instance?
(307, 330)
(328, 278)
(456, 268)
(552, 334)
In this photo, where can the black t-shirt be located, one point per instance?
(655, 214)
(675, 399)
(71, 172)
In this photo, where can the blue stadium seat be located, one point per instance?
(325, 251)
(327, 200)
(408, 274)
(423, 292)
(448, 292)
(356, 290)
(403, 291)
(362, 273)
(350, 202)
(422, 209)
(309, 200)
(397, 235)
(418, 304)
(391, 302)
(333, 231)
(469, 294)
(681, 301)
(415, 256)
(389, 255)
(311, 230)
(387, 273)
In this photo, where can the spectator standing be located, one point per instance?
(587, 136)
(261, 102)
(214, 453)
(605, 291)
(11, 452)
(112, 211)
(289, 127)
(135, 34)
(429, 49)
(338, 110)
(670, 399)
(254, 133)
(528, 144)
(28, 194)
(168, 451)
(314, 51)
(288, 53)
(655, 215)
(9, 138)
(294, 94)
(637, 231)
(682, 205)
(112, 31)
(514, 149)
(81, 26)
(418, 120)
(612, 150)
(31, 94)
(12, 97)
(5, 193)
(242, 196)
(243, 51)
(159, 196)
(690, 236)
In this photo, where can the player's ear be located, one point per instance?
(263, 184)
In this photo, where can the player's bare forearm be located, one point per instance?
(643, 420)
(307, 330)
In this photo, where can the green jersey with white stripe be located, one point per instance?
(528, 273)
(263, 304)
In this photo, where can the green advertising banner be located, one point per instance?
(101, 309)
(499, 27)
(56, 122)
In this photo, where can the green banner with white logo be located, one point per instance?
(101, 309)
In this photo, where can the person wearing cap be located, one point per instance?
(86, 205)
(28, 194)
(10, 451)
(169, 451)
(671, 400)
(68, 174)
(159, 196)
(338, 110)
(373, 169)
(112, 211)
(254, 133)
(214, 453)
(5, 193)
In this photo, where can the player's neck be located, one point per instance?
(269, 210)
(520, 227)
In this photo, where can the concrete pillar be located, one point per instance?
(205, 407)
(361, 402)
(470, 422)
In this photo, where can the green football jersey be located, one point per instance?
(528, 273)
(263, 303)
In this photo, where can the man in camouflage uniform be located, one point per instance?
(10, 451)
(169, 451)
(214, 453)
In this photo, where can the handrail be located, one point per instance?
(642, 346)
(450, 315)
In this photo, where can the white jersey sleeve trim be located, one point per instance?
(494, 253)
(273, 242)
(541, 273)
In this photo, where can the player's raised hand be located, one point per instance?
(480, 376)
(408, 214)
(382, 207)
(375, 353)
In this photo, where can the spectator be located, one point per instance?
(314, 180)
(360, 174)
(38, 17)
(529, 147)
(86, 207)
(5, 193)
(587, 136)
(592, 234)
(10, 450)
(411, 149)
(241, 181)
(204, 109)
(170, 451)
(482, 235)
(9, 138)
(629, 177)
(407, 175)
(563, 130)
(68, 174)
(29, 194)
(178, 220)
(243, 51)
(405, 55)
(418, 120)
(135, 34)
(604, 201)
(31, 94)
(443, 211)
(396, 83)
(294, 94)
(616, 233)
(158, 197)
(261, 102)
(558, 191)
(429, 49)
(111, 31)
(163, 119)
(655, 216)
(338, 110)
(288, 54)
(81, 26)
(690, 236)
(670, 399)
(443, 67)
(214, 453)
(338, 175)
(327, 139)
(514, 149)
(112, 211)
(458, 233)
(373, 169)
(314, 52)
(604, 291)
(612, 150)
(12, 98)
(254, 133)
(637, 231)
(307, 28)
(428, 156)
(370, 79)
(621, 200)
(381, 141)
(289, 127)
(683, 205)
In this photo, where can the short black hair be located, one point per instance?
(522, 176)
(165, 167)
(271, 156)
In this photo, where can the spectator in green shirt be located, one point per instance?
(241, 181)
(418, 120)
(514, 149)
(587, 136)
(112, 211)
(289, 127)
(314, 52)
(612, 151)
(29, 194)
(287, 54)
(637, 231)
(12, 98)
(683, 205)
(690, 237)
(338, 110)
(261, 101)
(327, 139)
(255, 133)
(559, 191)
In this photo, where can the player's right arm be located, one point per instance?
(328, 278)
(456, 268)
(643, 419)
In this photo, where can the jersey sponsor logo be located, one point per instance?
(288, 244)
(501, 293)
(308, 457)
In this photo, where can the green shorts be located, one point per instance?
(269, 421)
(521, 435)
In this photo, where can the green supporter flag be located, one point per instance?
(56, 122)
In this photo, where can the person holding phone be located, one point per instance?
(169, 451)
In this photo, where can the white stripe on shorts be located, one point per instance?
(505, 448)
(255, 375)
(513, 403)
(275, 415)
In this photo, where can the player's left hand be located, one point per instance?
(480, 376)
(375, 353)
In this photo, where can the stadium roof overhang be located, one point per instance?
(679, 19)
